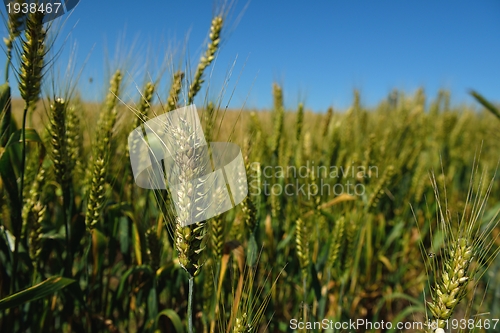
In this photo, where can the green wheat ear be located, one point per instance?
(59, 141)
(32, 58)
(249, 210)
(35, 218)
(207, 58)
(101, 154)
(144, 105)
(141, 114)
(33, 194)
(464, 244)
(279, 114)
(190, 246)
(175, 89)
(452, 287)
(328, 119)
(378, 191)
(216, 232)
(74, 141)
(14, 23)
(302, 243)
(241, 325)
(337, 240)
(300, 122)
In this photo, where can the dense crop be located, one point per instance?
(379, 214)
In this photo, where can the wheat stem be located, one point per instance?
(30, 77)
(190, 305)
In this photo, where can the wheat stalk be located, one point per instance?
(337, 237)
(35, 237)
(463, 245)
(207, 58)
(144, 105)
(378, 191)
(33, 194)
(74, 142)
(249, 210)
(58, 141)
(30, 80)
(189, 244)
(189, 165)
(452, 287)
(209, 121)
(141, 116)
(241, 324)
(216, 231)
(328, 119)
(302, 244)
(32, 58)
(279, 114)
(175, 89)
(96, 198)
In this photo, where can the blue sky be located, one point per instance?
(318, 50)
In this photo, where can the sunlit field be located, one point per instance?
(365, 219)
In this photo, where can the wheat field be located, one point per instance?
(379, 216)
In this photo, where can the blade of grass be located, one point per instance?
(43, 289)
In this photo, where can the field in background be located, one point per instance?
(387, 214)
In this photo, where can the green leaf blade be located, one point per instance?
(41, 290)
